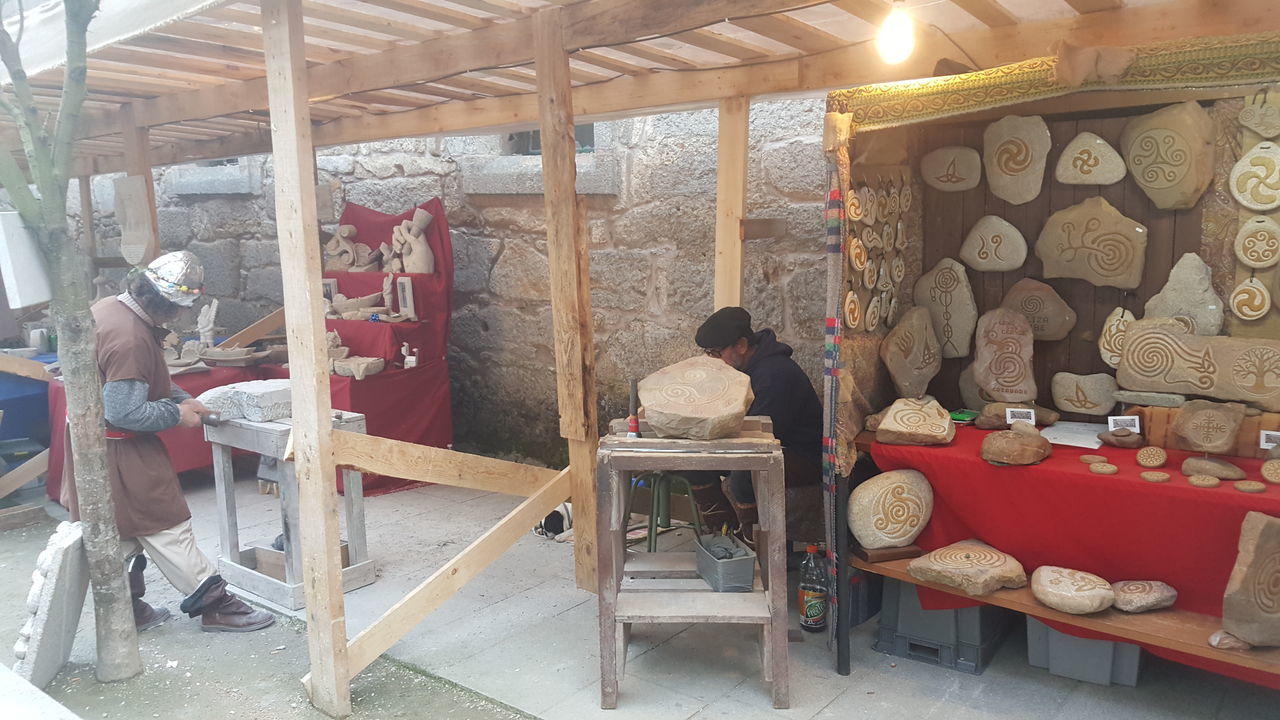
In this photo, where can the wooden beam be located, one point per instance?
(33, 468)
(141, 220)
(869, 11)
(731, 200)
(270, 323)
(422, 463)
(1091, 6)
(293, 159)
(989, 12)
(790, 31)
(443, 583)
(571, 316)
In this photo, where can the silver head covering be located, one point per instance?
(178, 276)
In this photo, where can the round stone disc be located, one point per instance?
(1091, 459)
(1152, 457)
(1154, 476)
(1204, 481)
(1271, 471)
(1103, 468)
(1250, 486)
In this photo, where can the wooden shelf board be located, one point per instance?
(1179, 630)
(660, 565)
(693, 607)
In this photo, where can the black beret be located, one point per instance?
(723, 328)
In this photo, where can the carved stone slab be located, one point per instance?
(1251, 300)
(1086, 394)
(970, 565)
(952, 168)
(1071, 591)
(57, 594)
(1188, 297)
(1089, 160)
(1255, 179)
(1160, 356)
(1093, 241)
(1170, 154)
(993, 245)
(1258, 242)
(700, 398)
(910, 352)
(1142, 595)
(1207, 426)
(1111, 339)
(1014, 151)
(1251, 603)
(1050, 316)
(916, 422)
(946, 292)
(891, 509)
(1002, 362)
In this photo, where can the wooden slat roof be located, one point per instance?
(387, 68)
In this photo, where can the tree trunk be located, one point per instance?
(117, 636)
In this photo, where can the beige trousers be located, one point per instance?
(174, 551)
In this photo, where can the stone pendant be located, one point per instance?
(1014, 152)
(852, 311)
(1258, 242)
(1250, 300)
(1260, 115)
(1255, 179)
(994, 245)
(1089, 160)
(1111, 339)
(951, 169)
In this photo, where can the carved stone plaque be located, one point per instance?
(1160, 355)
(970, 565)
(1207, 426)
(952, 168)
(852, 311)
(1050, 316)
(920, 421)
(1258, 242)
(1089, 160)
(1014, 151)
(890, 509)
(1111, 339)
(1086, 394)
(1261, 114)
(1251, 603)
(1255, 179)
(1093, 241)
(946, 292)
(1002, 364)
(910, 352)
(1170, 154)
(1071, 591)
(1250, 300)
(1188, 297)
(993, 245)
(701, 398)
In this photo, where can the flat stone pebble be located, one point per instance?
(1152, 457)
(1271, 471)
(1091, 459)
(1204, 481)
(1103, 468)
(1250, 486)
(1155, 477)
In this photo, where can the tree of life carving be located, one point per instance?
(1257, 371)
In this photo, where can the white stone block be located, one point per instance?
(51, 630)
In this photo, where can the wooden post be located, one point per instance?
(138, 206)
(570, 284)
(731, 199)
(294, 160)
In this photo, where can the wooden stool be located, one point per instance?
(665, 587)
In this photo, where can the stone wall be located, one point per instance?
(650, 188)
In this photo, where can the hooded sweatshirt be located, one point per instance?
(784, 393)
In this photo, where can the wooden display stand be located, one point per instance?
(665, 587)
(252, 569)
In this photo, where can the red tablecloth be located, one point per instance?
(1117, 526)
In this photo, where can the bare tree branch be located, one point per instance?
(15, 181)
(34, 139)
(74, 86)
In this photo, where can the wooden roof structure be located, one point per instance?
(223, 79)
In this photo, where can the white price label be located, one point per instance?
(1026, 414)
(1268, 439)
(1129, 422)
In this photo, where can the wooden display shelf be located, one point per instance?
(1178, 630)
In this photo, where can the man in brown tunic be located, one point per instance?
(140, 400)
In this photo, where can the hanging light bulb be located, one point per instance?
(896, 38)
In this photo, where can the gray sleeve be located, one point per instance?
(126, 407)
(177, 394)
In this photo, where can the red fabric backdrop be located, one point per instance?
(1117, 526)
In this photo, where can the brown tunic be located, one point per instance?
(144, 486)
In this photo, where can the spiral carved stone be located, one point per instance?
(970, 565)
(1095, 242)
(1071, 591)
(701, 398)
(1250, 300)
(1159, 158)
(1014, 151)
(890, 509)
(1258, 242)
(1251, 602)
(1143, 595)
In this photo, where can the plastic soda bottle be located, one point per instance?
(813, 591)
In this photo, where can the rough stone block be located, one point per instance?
(60, 583)
(255, 400)
(221, 261)
(240, 179)
(701, 398)
(264, 283)
(521, 272)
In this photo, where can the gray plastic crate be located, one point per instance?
(964, 639)
(1103, 662)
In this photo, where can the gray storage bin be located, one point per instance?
(1103, 662)
(964, 639)
(732, 575)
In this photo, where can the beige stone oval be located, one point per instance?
(951, 169)
(1014, 152)
(1089, 160)
(1258, 242)
(852, 311)
(1250, 300)
(891, 509)
(1255, 179)
(994, 245)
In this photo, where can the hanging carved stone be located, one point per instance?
(1050, 316)
(1250, 300)
(1188, 297)
(1014, 152)
(852, 311)
(1002, 363)
(1255, 179)
(1170, 154)
(1085, 394)
(993, 245)
(1261, 115)
(951, 169)
(1093, 241)
(1160, 355)
(1089, 160)
(910, 352)
(1258, 242)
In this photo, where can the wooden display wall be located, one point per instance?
(948, 216)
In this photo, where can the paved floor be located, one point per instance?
(523, 635)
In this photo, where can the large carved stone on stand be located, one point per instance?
(1251, 603)
(1002, 363)
(969, 565)
(1160, 355)
(1093, 241)
(1170, 154)
(910, 352)
(1089, 160)
(700, 398)
(1207, 426)
(1071, 591)
(994, 245)
(1014, 151)
(1111, 339)
(1050, 316)
(1086, 394)
(1188, 297)
(946, 292)
(952, 168)
(891, 509)
(916, 422)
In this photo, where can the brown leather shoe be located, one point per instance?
(144, 616)
(220, 611)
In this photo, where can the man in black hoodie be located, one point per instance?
(782, 391)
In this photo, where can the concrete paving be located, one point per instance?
(522, 635)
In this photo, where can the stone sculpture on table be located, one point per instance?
(206, 320)
(1207, 426)
(1089, 160)
(946, 292)
(1071, 591)
(58, 588)
(253, 400)
(911, 354)
(700, 398)
(1014, 151)
(1022, 444)
(1086, 394)
(1111, 339)
(910, 421)
(994, 245)
(971, 566)
(408, 251)
(1135, 596)
(1050, 316)
(1002, 363)
(1188, 297)
(355, 366)
(993, 415)
(1159, 355)
(1093, 241)
(1251, 603)
(951, 169)
(891, 509)
(1170, 154)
